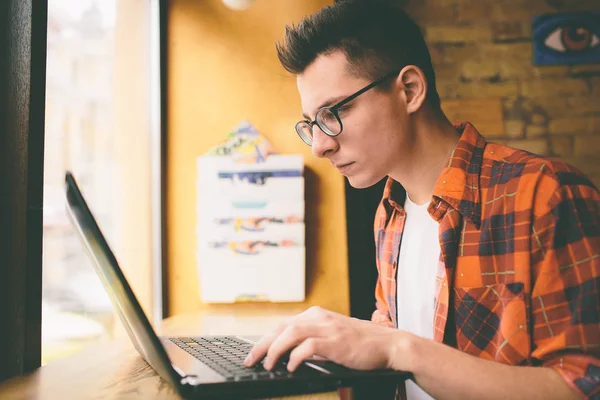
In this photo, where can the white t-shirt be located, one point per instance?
(417, 268)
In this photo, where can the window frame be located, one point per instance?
(22, 97)
(23, 51)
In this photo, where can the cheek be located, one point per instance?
(374, 131)
(384, 133)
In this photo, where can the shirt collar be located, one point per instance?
(458, 183)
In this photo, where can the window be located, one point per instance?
(101, 86)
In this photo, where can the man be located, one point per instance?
(488, 257)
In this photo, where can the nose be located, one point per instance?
(323, 144)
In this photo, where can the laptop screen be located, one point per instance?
(124, 301)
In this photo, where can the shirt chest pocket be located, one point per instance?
(491, 322)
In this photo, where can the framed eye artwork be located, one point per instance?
(567, 39)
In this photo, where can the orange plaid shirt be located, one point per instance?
(519, 274)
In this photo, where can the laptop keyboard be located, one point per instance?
(226, 355)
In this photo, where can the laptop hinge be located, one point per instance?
(186, 379)
(192, 380)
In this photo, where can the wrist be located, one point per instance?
(404, 352)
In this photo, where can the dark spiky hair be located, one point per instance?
(376, 37)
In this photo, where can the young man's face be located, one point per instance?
(375, 124)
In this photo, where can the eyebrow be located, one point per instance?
(326, 103)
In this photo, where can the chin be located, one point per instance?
(363, 182)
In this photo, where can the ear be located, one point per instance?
(414, 86)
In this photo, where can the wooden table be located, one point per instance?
(114, 370)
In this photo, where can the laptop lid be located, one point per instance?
(124, 301)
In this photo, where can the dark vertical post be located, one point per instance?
(23, 27)
(164, 18)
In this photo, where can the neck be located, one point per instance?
(432, 142)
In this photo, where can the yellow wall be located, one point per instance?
(223, 68)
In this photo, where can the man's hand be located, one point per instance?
(350, 342)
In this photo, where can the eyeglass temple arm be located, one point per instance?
(361, 91)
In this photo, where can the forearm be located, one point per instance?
(447, 373)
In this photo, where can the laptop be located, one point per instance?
(206, 366)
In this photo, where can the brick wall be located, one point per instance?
(482, 53)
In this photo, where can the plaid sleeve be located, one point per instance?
(381, 315)
(565, 299)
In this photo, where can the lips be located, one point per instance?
(340, 165)
(344, 167)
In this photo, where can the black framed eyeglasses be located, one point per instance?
(328, 119)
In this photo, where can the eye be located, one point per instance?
(572, 39)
